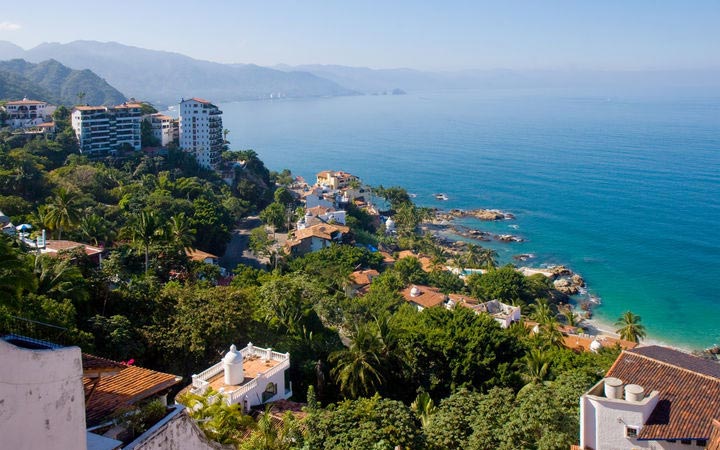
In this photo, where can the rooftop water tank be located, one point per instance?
(595, 346)
(613, 388)
(634, 393)
(414, 292)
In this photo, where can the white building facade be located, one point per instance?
(201, 131)
(164, 128)
(101, 129)
(250, 376)
(28, 113)
(652, 398)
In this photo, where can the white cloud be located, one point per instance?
(9, 26)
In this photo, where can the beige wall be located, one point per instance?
(42, 403)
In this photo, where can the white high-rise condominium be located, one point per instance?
(201, 131)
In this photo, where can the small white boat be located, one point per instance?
(441, 197)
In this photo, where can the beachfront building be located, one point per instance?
(201, 131)
(250, 376)
(335, 179)
(164, 128)
(652, 398)
(106, 129)
(27, 113)
(504, 314)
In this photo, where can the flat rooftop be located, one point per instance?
(252, 367)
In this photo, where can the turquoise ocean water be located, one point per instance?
(625, 189)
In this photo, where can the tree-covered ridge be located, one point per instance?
(55, 83)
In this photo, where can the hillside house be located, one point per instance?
(422, 297)
(335, 179)
(503, 313)
(251, 376)
(314, 238)
(27, 113)
(652, 397)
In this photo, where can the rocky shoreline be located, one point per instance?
(564, 280)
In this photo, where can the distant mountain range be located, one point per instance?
(55, 83)
(164, 77)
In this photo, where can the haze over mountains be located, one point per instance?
(164, 77)
(53, 82)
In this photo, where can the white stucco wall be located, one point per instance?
(254, 397)
(42, 404)
(180, 432)
(603, 422)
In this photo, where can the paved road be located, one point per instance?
(237, 251)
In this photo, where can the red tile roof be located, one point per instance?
(322, 231)
(582, 342)
(364, 277)
(130, 385)
(689, 391)
(714, 442)
(53, 245)
(428, 296)
(425, 262)
(94, 366)
(26, 101)
(200, 100)
(199, 255)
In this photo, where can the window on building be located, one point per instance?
(701, 442)
(686, 441)
(631, 432)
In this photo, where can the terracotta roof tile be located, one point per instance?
(131, 385)
(714, 442)
(26, 101)
(199, 255)
(95, 366)
(689, 391)
(427, 297)
(53, 245)
(322, 231)
(364, 277)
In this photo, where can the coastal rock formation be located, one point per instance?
(508, 238)
(565, 286)
(481, 214)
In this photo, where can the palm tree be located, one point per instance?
(357, 368)
(95, 228)
(221, 422)
(144, 229)
(630, 327)
(179, 232)
(59, 278)
(541, 311)
(537, 367)
(478, 257)
(63, 212)
(15, 274)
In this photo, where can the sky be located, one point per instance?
(437, 35)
